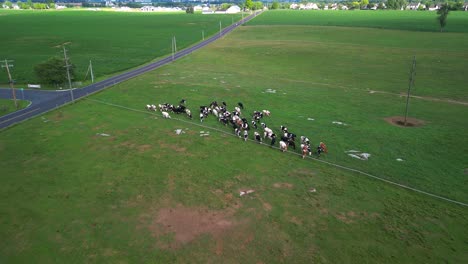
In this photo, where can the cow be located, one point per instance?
(188, 112)
(266, 112)
(257, 137)
(246, 135)
(305, 150)
(321, 148)
(237, 131)
(283, 146)
(254, 124)
(166, 115)
(241, 105)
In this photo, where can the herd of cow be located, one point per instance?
(241, 124)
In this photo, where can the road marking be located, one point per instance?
(20, 115)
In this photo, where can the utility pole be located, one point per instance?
(220, 28)
(242, 16)
(91, 70)
(7, 66)
(203, 34)
(174, 47)
(68, 73)
(411, 83)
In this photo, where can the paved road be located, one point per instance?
(44, 101)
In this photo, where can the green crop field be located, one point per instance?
(113, 41)
(104, 180)
(388, 19)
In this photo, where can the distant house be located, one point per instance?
(311, 6)
(147, 9)
(414, 6)
(294, 6)
(233, 10)
(434, 7)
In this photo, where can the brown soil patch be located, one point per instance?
(283, 185)
(300, 172)
(144, 148)
(186, 224)
(173, 147)
(267, 206)
(400, 121)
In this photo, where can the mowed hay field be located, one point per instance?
(113, 41)
(95, 182)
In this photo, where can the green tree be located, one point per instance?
(258, 5)
(364, 3)
(30, 3)
(9, 4)
(275, 5)
(52, 71)
(355, 5)
(443, 13)
(189, 10)
(249, 4)
(225, 6)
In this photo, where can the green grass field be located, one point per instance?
(93, 182)
(8, 106)
(388, 19)
(114, 41)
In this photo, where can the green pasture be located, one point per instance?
(387, 19)
(89, 182)
(113, 41)
(8, 106)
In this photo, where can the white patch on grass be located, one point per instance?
(399, 159)
(242, 193)
(339, 123)
(312, 190)
(310, 119)
(358, 154)
(270, 91)
(103, 134)
(179, 131)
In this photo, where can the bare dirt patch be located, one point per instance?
(186, 224)
(400, 121)
(144, 148)
(284, 185)
(302, 171)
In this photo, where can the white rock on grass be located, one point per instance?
(399, 159)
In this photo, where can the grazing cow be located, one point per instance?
(245, 126)
(188, 112)
(237, 131)
(166, 115)
(305, 149)
(182, 101)
(284, 129)
(254, 124)
(148, 107)
(266, 112)
(246, 135)
(321, 148)
(273, 139)
(224, 103)
(215, 113)
(283, 146)
(267, 132)
(202, 116)
(238, 110)
(263, 125)
(257, 137)
(305, 140)
(240, 105)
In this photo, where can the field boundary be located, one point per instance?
(295, 153)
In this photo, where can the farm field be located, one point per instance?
(388, 19)
(113, 41)
(104, 180)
